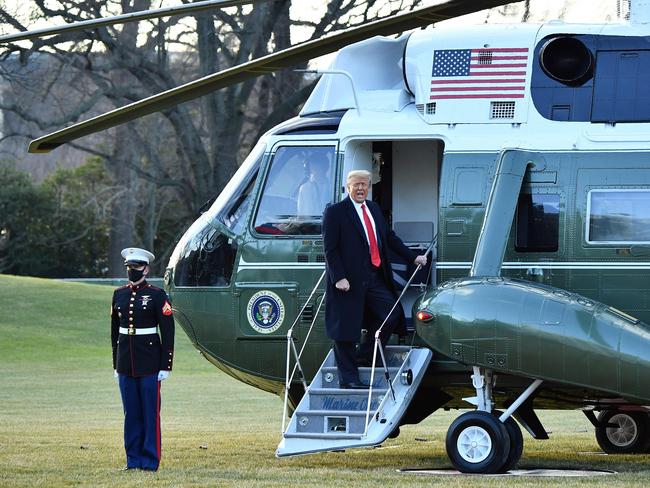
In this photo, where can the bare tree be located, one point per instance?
(174, 161)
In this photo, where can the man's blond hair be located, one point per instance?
(359, 173)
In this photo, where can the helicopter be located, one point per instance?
(516, 156)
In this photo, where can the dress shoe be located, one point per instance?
(354, 386)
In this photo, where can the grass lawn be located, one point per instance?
(61, 419)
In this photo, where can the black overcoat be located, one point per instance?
(347, 255)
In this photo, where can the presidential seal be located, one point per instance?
(265, 312)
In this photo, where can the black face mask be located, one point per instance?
(134, 274)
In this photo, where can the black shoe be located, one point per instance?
(354, 386)
(149, 469)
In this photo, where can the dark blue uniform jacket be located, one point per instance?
(141, 307)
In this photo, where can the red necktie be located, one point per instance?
(374, 250)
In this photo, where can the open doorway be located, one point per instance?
(406, 176)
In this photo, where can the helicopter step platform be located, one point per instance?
(330, 418)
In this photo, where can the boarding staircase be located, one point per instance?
(331, 418)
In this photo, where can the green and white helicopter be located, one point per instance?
(517, 155)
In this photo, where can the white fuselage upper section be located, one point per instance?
(415, 87)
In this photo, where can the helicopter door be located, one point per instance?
(414, 210)
(405, 176)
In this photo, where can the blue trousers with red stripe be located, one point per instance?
(141, 401)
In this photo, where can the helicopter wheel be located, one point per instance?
(516, 443)
(477, 442)
(631, 436)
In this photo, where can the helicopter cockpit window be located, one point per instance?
(538, 223)
(618, 216)
(298, 187)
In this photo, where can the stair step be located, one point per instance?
(309, 435)
(328, 421)
(335, 413)
(347, 391)
(342, 399)
(391, 369)
(329, 376)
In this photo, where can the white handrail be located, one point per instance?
(304, 344)
(291, 347)
(381, 349)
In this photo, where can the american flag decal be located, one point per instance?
(495, 73)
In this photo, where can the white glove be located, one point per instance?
(163, 375)
(115, 374)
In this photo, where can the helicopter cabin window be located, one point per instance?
(298, 186)
(537, 223)
(616, 216)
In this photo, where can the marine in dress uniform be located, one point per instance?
(142, 335)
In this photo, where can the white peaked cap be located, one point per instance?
(137, 255)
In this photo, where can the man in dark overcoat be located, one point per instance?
(360, 290)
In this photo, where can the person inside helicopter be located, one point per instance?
(315, 193)
(294, 206)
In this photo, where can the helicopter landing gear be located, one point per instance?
(621, 432)
(486, 441)
(516, 443)
(478, 443)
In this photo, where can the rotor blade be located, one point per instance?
(184, 9)
(266, 64)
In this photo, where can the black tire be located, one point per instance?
(516, 443)
(478, 443)
(631, 436)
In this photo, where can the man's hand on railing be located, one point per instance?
(421, 260)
